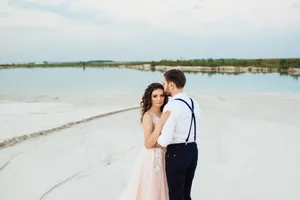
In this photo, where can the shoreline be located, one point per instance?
(149, 67)
(219, 69)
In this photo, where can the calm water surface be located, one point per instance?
(64, 80)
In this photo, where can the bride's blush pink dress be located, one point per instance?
(148, 178)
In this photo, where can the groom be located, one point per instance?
(179, 136)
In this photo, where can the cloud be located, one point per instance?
(142, 28)
(295, 4)
(194, 17)
(215, 15)
(3, 6)
(63, 9)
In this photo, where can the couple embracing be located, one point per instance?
(165, 169)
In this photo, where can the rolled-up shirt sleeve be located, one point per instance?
(168, 129)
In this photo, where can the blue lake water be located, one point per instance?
(64, 80)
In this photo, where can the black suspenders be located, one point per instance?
(193, 119)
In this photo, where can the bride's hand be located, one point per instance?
(164, 117)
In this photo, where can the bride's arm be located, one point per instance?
(151, 134)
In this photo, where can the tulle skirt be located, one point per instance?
(148, 178)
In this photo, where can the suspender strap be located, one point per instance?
(193, 119)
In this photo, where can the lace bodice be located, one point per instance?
(158, 152)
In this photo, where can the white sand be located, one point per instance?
(249, 149)
(27, 114)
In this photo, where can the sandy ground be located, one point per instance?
(249, 148)
(26, 114)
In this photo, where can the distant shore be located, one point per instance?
(289, 66)
(148, 67)
(224, 69)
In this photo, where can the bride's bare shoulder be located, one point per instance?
(147, 117)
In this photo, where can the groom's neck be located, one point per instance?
(175, 92)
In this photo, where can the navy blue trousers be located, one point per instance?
(181, 163)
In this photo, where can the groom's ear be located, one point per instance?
(172, 84)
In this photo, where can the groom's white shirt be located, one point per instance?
(176, 128)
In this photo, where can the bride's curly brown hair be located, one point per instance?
(146, 102)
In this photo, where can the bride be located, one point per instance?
(148, 179)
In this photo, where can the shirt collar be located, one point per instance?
(178, 95)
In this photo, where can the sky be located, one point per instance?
(140, 30)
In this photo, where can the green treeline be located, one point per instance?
(268, 63)
(284, 63)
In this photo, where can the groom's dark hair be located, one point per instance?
(176, 76)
